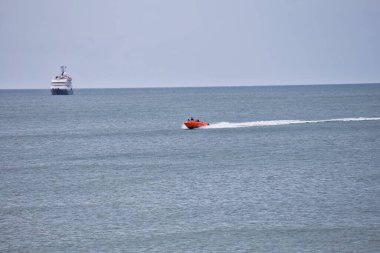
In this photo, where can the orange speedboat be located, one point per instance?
(191, 124)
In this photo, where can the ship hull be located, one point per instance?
(62, 91)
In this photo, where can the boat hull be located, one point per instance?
(195, 124)
(62, 91)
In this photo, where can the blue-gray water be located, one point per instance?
(112, 170)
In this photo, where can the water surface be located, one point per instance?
(280, 169)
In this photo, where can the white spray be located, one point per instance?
(281, 122)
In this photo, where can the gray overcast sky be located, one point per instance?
(189, 43)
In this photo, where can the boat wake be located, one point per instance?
(281, 122)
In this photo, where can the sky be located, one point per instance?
(173, 43)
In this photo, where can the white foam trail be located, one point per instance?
(280, 122)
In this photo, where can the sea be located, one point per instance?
(279, 169)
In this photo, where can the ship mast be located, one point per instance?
(63, 68)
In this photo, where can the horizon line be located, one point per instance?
(205, 86)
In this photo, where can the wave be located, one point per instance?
(281, 122)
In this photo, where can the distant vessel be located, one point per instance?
(61, 85)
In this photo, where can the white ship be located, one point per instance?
(61, 85)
